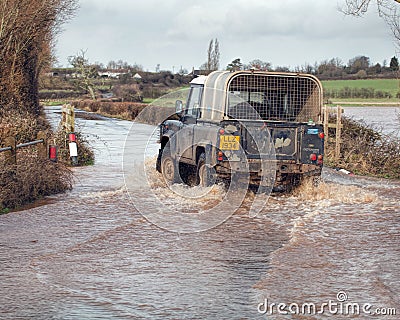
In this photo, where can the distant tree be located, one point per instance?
(235, 65)
(337, 62)
(330, 68)
(362, 74)
(112, 65)
(213, 56)
(122, 64)
(376, 69)
(358, 63)
(182, 71)
(282, 69)
(258, 65)
(136, 67)
(85, 73)
(99, 65)
(209, 55)
(305, 68)
(204, 67)
(394, 64)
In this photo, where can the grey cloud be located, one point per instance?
(175, 32)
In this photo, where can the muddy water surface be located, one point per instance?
(90, 254)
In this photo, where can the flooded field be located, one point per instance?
(385, 118)
(104, 251)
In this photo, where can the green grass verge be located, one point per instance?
(148, 100)
(4, 211)
(390, 85)
(364, 102)
(387, 85)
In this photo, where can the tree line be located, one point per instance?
(358, 67)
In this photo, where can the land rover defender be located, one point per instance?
(233, 122)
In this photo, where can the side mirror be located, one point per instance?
(178, 106)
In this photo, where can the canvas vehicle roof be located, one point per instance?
(199, 80)
(303, 93)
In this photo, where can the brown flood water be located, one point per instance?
(89, 254)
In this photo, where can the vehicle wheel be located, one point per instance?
(169, 167)
(206, 175)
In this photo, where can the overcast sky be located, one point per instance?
(175, 33)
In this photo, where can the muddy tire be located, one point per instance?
(169, 167)
(206, 175)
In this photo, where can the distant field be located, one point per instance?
(387, 85)
(391, 85)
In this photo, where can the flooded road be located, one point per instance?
(93, 254)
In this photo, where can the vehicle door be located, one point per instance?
(189, 119)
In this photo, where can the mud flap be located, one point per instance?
(158, 162)
(208, 155)
(209, 177)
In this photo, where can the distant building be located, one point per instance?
(107, 95)
(137, 76)
(110, 74)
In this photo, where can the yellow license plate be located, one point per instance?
(229, 142)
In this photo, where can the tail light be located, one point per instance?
(313, 157)
(321, 135)
(220, 156)
(320, 159)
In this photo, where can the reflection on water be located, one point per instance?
(89, 254)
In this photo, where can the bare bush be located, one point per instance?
(128, 92)
(30, 179)
(124, 110)
(366, 150)
(27, 31)
(85, 152)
